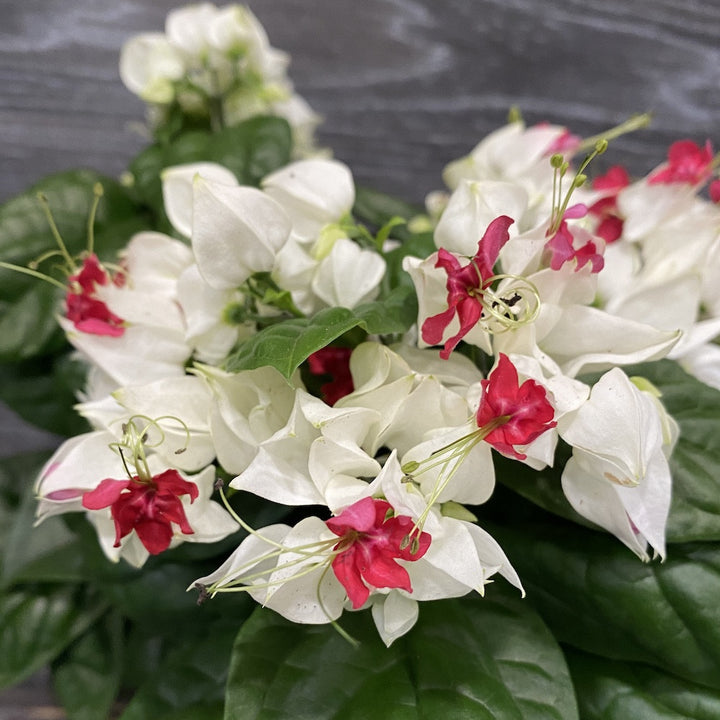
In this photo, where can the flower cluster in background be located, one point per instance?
(216, 64)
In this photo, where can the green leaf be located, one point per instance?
(421, 245)
(597, 596)
(189, 678)
(27, 328)
(611, 690)
(694, 464)
(37, 624)
(488, 658)
(252, 149)
(541, 487)
(205, 710)
(378, 209)
(26, 544)
(286, 345)
(43, 392)
(86, 677)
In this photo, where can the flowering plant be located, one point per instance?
(334, 418)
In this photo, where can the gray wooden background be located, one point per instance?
(404, 87)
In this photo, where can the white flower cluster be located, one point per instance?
(548, 290)
(217, 62)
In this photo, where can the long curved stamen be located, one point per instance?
(244, 583)
(238, 575)
(251, 531)
(42, 198)
(97, 194)
(636, 122)
(561, 166)
(214, 589)
(136, 441)
(451, 457)
(33, 273)
(521, 309)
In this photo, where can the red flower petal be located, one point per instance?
(526, 408)
(105, 494)
(371, 544)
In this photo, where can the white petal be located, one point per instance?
(187, 27)
(181, 406)
(236, 231)
(177, 189)
(394, 615)
(472, 207)
(204, 310)
(648, 504)
(587, 339)
(618, 429)
(313, 192)
(704, 364)
(141, 354)
(154, 262)
(296, 594)
(596, 499)
(249, 556)
(349, 275)
(149, 65)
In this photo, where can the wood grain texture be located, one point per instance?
(404, 87)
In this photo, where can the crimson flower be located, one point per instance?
(610, 223)
(561, 247)
(85, 310)
(714, 191)
(150, 507)
(465, 284)
(333, 361)
(372, 540)
(687, 163)
(522, 411)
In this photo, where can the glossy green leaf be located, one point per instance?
(43, 392)
(541, 487)
(24, 545)
(599, 597)
(286, 345)
(195, 711)
(420, 245)
(612, 690)
(252, 149)
(485, 659)
(86, 677)
(694, 464)
(37, 624)
(27, 327)
(377, 209)
(190, 676)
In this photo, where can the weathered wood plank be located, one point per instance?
(404, 85)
